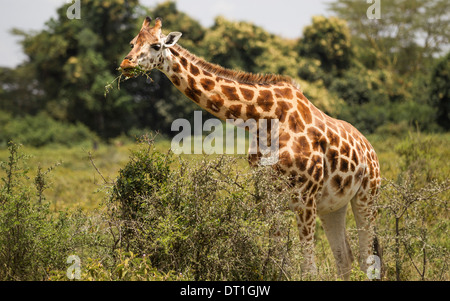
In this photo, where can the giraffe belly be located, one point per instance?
(331, 203)
(338, 190)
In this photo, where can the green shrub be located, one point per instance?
(413, 227)
(422, 157)
(413, 211)
(390, 129)
(206, 219)
(35, 241)
(127, 267)
(32, 239)
(366, 117)
(41, 130)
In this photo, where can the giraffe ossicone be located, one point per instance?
(330, 163)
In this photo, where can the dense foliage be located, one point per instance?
(207, 220)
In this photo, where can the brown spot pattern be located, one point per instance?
(332, 126)
(355, 157)
(318, 142)
(194, 70)
(230, 93)
(295, 123)
(345, 149)
(333, 139)
(211, 105)
(333, 159)
(286, 159)
(184, 62)
(305, 112)
(283, 93)
(193, 85)
(316, 168)
(191, 94)
(359, 174)
(281, 110)
(175, 80)
(217, 100)
(176, 68)
(319, 124)
(344, 165)
(207, 84)
(301, 145)
(265, 100)
(284, 106)
(251, 112)
(284, 138)
(236, 110)
(302, 97)
(247, 93)
(174, 52)
(340, 185)
(301, 162)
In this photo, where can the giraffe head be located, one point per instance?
(149, 47)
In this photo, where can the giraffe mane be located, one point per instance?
(239, 76)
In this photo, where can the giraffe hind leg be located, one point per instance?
(334, 225)
(364, 213)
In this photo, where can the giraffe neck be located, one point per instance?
(229, 94)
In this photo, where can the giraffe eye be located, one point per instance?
(132, 46)
(157, 47)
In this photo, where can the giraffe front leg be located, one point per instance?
(305, 212)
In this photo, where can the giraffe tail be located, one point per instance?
(378, 251)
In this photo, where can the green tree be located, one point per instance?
(329, 41)
(407, 31)
(245, 46)
(19, 91)
(440, 91)
(73, 59)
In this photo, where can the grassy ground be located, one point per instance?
(75, 183)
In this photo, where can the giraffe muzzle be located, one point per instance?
(127, 67)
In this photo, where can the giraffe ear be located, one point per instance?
(171, 39)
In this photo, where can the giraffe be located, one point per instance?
(329, 162)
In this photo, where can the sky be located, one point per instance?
(282, 17)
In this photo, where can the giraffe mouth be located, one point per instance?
(132, 72)
(128, 72)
